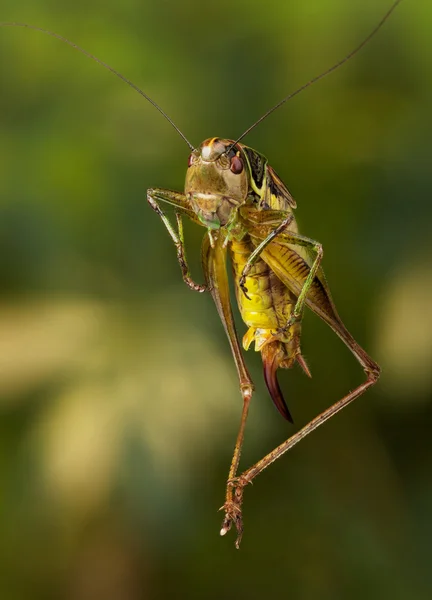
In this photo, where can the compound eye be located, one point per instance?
(236, 165)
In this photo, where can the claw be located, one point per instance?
(243, 286)
(244, 289)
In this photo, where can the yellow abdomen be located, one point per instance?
(267, 307)
(270, 303)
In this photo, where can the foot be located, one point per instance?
(233, 515)
(232, 508)
(285, 329)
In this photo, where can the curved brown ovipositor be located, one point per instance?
(272, 356)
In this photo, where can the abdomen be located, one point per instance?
(270, 302)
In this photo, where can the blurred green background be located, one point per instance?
(119, 399)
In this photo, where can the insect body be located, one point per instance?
(225, 183)
(235, 194)
(232, 191)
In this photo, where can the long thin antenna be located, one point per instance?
(103, 64)
(322, 75)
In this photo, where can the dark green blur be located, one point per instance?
(119, 400)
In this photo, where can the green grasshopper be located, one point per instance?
(247, 210)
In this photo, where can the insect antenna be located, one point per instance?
(321, 75)
(106, 66)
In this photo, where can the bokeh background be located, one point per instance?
(119, 399)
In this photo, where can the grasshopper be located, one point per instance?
(247, 210)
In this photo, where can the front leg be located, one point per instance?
(180, 202)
